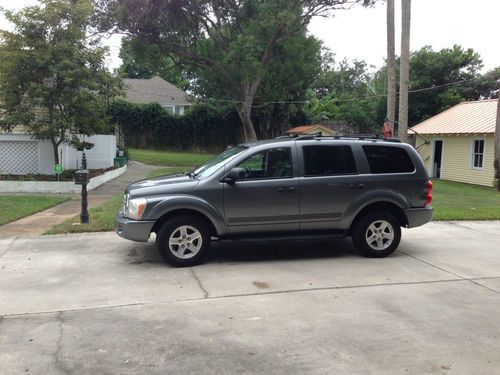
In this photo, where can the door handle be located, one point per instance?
(357, 186)
(286, 189)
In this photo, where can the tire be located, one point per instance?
(183, 241)
(377, 234)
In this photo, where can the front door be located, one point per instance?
(267, 198)
(438, 154)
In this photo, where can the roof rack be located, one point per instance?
(318, 136)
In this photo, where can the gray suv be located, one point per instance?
(307, 186)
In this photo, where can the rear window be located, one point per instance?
(385, 159)
(328, 160)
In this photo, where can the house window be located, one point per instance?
(169, 109)
(477, 153)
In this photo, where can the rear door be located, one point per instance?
(267, 198)
(328, 184)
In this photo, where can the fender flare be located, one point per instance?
(165, 205)
(373, 196)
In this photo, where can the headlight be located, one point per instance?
(135, 208)
(125, 202)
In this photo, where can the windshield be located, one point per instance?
(213, 165)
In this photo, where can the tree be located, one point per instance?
(52, 75)
(295, 66)
(140, 60)
(347, 92)
(391, 66)
(447, 77)
(233, 41)
(404, 70)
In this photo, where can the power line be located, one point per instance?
(332, 100)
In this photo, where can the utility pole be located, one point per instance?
(497, 146)
(404, 70)
(391, 67)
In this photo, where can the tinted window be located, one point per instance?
(275, 163)
(384, 159)
(328, 160)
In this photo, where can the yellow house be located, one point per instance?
(460, 142)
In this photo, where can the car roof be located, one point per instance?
(333, 139)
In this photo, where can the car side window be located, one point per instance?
(328, 160)
(386, 159)
(274, 163)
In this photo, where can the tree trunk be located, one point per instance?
(245, 112)
(404, 70)
(55, 147)
(497, 147)
(391, 66)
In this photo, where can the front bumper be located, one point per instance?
(418, 216)
(135, 230)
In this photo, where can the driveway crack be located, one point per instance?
(472, 229)
(471, 280)
(205, 292)
(8, 247)
(57, 353)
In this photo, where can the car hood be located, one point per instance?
(169, 184)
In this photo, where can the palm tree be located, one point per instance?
(391, 66)
(404, 70)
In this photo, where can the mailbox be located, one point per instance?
(81, 177)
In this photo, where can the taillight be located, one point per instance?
(429, 193)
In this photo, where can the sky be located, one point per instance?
(359, 33)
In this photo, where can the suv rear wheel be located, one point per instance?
(183, 241)
(377, 234)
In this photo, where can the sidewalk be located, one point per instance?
(41, 222)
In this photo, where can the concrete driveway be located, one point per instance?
(97, 304)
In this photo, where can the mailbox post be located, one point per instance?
(82, 178)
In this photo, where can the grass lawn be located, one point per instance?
(457, 201)
(102, 219)
(168, 158)
(15, 207)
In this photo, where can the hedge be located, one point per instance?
(202, 127)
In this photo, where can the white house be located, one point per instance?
(156, 90)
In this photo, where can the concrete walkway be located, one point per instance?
(41, 222)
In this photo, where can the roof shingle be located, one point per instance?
(154, 90)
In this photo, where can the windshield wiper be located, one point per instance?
(191, 174)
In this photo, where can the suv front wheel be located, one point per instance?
(377, 234)
(183, 241)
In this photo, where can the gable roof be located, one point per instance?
(306, 129)
(153, 90)
(476, 117)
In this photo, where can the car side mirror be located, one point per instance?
(233, 175)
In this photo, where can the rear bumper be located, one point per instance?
(418, 216)
(135, 230)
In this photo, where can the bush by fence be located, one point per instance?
(203, 127)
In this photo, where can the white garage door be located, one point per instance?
(18, 157)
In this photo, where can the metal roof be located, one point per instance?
(478, 117)
(154, 90)
(303, 129)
